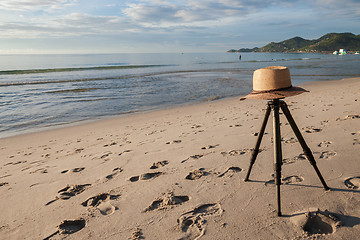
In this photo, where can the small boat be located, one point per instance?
(335, 52)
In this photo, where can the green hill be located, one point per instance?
(327, 43)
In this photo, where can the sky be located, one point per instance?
(153, 26)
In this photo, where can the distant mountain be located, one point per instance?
(327, 43)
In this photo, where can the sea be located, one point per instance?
(39, 92)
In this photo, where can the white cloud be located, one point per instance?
(173, 13)
(74, 24)
(31, 5)
(195, 11)
(151, 13)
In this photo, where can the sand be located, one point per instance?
(179, 174)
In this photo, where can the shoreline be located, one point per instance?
(155, 109)
(73, 97)
(112, 117)
(179, 173)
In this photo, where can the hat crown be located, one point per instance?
(271, 78)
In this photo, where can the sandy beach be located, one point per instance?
(179, 173)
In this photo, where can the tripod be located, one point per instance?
(275, 105)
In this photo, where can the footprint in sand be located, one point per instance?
(209, 147)
(39, 170)
(289, 140)
(196, 174)
(288, 161)
(175, 141)
(96, 200)
(110, 144)
(230, 171)
(353, 183)
(126, 151)
(168, 200)
(194, 157)
(106, 208)
(14, 163)
(356, 140)
(145, 176)
(72, 190)
(193, 223)
(102, 203)
(116, 171)
(77, 169)
(238, 152)
(68, 227)
(235, 125)
(352, 116)
(292, 179)
(301, 156)
(105, 155)
(79, 150)
(74, 170)
(324, 144)
(159, 164)
(327, 154)
(3, 184)
(324, 122)
(311, 129)
(287, 180)
(136, 234)
(255, 134)
(69, 191)
(316, 223)
(71, 226)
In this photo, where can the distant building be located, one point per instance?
(342, 52)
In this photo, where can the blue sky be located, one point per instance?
(126, 26)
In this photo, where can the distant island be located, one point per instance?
(325, 44)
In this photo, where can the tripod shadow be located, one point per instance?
(271, 182)
(338, 218)
(341, 219)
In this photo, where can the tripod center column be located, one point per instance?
(275, 104)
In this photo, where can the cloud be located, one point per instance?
(343, 9)
(160, 12)
(202, 22)
(30, 5)
(151, 13)
(74, 24)
(190, 11)
(197, 12)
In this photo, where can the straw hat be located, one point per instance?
(273, 83)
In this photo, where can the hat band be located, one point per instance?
(270, 91)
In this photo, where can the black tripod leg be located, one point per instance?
(258, 142)
(277, 152)
(304, 146)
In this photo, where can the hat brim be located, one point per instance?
(276, 94)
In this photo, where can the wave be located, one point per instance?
(74, 90)
(36, 82)
(50, 70)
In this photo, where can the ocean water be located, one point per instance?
(45, 91)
